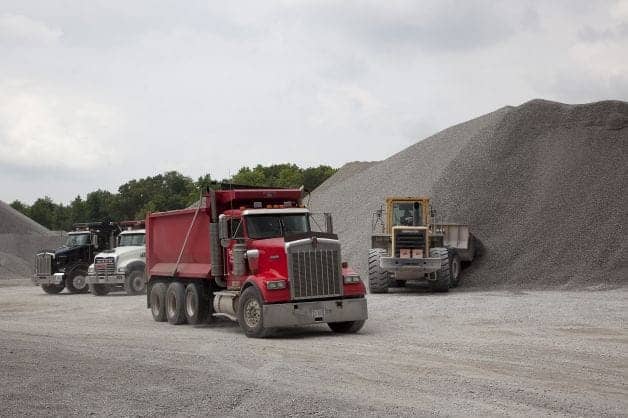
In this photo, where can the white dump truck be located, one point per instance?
(123, 267)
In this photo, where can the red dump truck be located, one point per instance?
(250, 255)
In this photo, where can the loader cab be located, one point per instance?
(408, 212)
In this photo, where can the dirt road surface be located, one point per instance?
(465, 353)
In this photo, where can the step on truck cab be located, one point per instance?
(250, 255)
(123, 267)
(66, 266)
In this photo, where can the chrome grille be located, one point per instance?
(43, 264)
(105, 265)
(314, 269)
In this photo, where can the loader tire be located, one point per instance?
(99, 289)
(379, 280)
(441, 280)
(455, 266)
(175, 303)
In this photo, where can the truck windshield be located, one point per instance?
(127, 240)
(407, 214)
(273, 226)
(74, 240)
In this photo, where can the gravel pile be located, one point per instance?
(543, 186)
(20, 239)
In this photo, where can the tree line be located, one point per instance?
(168, 191)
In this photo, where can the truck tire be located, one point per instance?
(442, 278)
(76, 281)
(251, 313)
(196, 308)
(135, 283)
(99, 289)
(379, 280)
(157, 300)
(350, 327)
(52, 289)
(455, 267)
(175, 303)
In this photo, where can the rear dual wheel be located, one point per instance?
(196, 309)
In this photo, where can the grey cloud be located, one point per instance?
(591, 34)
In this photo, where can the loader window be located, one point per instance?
(407, 214)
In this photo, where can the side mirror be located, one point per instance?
(94, 240)
(329, 226)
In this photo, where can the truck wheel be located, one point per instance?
(158, 302)
(442, 278)
(52, 289)
(135, 283)
(195, 304)
(251, 313)
(175, 303)
(349, 327)
(76, 282)
(99, 289)
(379, 280)
(455, 267)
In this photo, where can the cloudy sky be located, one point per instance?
(95, 93)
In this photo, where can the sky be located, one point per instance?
(93, 94)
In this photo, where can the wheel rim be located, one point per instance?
(78, 282)
(138, 283)
(172, 305)
(191, 305)
(252, 313)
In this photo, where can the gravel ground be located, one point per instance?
(465, 353)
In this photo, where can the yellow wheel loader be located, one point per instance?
(409, 244)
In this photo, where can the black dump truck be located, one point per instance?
(66, 266)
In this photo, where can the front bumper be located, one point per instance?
(105, 279)
(319, 312)
(56, 278)
(414, 265)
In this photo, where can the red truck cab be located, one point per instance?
(251, 256)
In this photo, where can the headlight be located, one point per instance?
(276, 284)
(354, 278)
(90, 269)
(121, 269)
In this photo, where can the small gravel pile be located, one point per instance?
(543, 186)
(20, 239)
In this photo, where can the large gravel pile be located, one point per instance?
(543, 186)
(20, 239)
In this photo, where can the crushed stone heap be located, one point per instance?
(542, 185)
